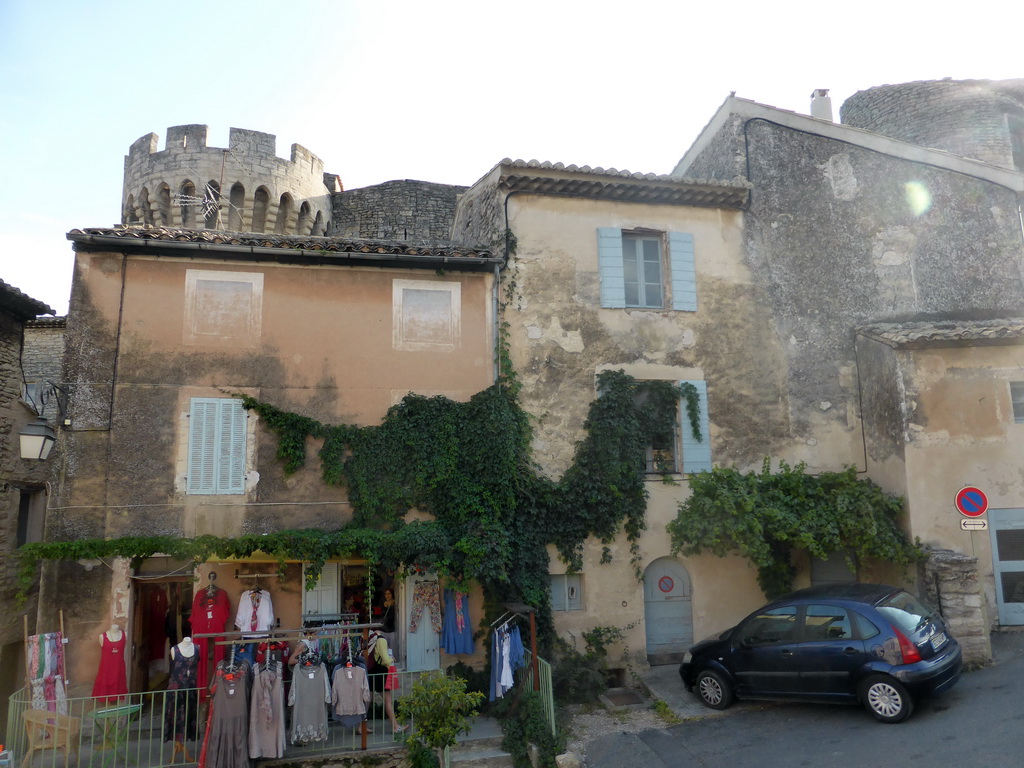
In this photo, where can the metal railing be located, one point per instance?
(99, 733)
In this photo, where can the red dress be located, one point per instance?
(112, 679)
(211, 608)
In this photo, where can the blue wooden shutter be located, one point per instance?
(216, 446)
(684, 271)
(231, 473)
(696, 456)
(609, 262)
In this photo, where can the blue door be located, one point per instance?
(764, 653)
(668, 613)
(1006, 528)
(422, 646)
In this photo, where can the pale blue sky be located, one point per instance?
(438, 91)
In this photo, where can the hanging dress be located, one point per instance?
(211, 609)
(266, 711)
(456, 629)
(180, 711)
(226, 744)
(112, 678)
(308, 697)
(350, 695)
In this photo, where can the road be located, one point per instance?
(978, 724)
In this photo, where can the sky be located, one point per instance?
(436, 91)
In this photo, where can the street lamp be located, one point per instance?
(37, 439)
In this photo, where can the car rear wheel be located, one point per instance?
(714, 690)
(886, 699)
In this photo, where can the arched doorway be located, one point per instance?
(668, 612)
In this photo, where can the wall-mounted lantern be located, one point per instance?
(37, 440)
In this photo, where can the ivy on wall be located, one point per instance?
(468, 465)
(765, 516)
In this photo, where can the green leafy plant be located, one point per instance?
(765, 516)
(440, 708)
(580, 678)
(523, 723)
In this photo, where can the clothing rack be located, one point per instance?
(326, 617)
(282, 634)
(517, 610)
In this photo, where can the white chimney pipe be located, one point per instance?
(821, 104)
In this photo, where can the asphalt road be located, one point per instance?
(979, 723)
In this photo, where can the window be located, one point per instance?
(1017, 398)
(635, 273)
(680, 451)
(31, 515)
(566, 592)
(827, 622)
(216, 446)
(426, 315)
(771, 627)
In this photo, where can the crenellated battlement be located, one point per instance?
(244, 187)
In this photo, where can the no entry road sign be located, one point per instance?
(971, 501)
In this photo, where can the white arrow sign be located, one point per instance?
(973, 524)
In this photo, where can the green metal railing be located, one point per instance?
(547, 693)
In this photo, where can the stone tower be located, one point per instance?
(244, 188)
(979, 119)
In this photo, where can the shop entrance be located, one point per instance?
(161, 617)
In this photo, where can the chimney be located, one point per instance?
(821, 104)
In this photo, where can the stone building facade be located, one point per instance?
(410, 211)
(23, 493)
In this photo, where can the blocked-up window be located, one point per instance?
(567, 592)
(427, 315)
(216, 446)
(223, 307)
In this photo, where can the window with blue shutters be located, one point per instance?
(679, 451)
(216, 446)
(636, 273)
(566, 592)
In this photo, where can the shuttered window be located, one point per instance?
(632, 269)
(216, 448)
(567, 592)
(696, 453)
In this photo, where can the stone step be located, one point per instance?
(479, 758)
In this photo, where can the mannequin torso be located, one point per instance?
(186, 647)
(114, 634)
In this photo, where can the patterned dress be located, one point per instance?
(180, 712)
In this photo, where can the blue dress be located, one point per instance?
(456, 629)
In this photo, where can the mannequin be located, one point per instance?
(180, 714)
(187, 647)
(113, 634)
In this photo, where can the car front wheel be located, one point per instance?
(886, 699)
(714, 690)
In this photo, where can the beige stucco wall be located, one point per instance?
(323, 345)
(561, 338)
(962, 432)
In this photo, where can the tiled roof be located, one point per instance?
(284, 248)
(21, 305)
(613, 184)
(945, 333)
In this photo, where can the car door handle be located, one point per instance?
(787, 654)
(849, 651)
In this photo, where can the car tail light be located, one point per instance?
(907, 648)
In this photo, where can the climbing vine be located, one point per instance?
(765, 516)
(468, 465)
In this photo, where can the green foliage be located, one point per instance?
(523, 723)
(765, 516)
(440, 707)
(468, 465)
(579, 678)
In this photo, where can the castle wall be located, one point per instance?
(397, 210)
(186, 165)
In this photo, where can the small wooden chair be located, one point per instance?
(49, 730)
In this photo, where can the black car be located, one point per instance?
(845, 643)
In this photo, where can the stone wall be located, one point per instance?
(397, 210)
(152, 178)
(42, 357)
(965, 117)
(950, 581)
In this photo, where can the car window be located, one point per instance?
(865, 627)
(827, 622)
(771, 627)
(905, 611)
